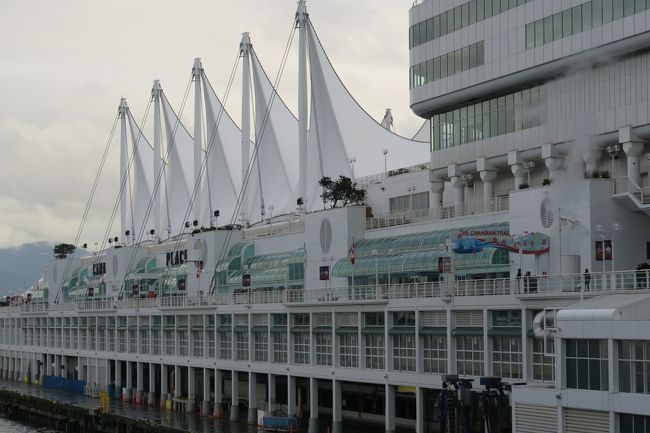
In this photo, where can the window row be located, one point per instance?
(580, 18)
(448, 64)
(457, 18)
(513, 112)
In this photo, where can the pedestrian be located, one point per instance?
(587, 280)
(519, 280)
(527, 278)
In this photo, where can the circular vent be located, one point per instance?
(325, 236)
(546, 213)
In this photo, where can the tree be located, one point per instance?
(61, 251)
(341, 190)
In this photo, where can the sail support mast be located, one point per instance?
(123, 164)
(197, 70)
(302, 18)
(157, 162)
(244, 49)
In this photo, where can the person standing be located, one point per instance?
(587, 280)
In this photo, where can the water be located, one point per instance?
(9, 426)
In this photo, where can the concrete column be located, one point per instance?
(291, 395)
(57, 366)
(419, 410)
(437, 191)
(488, 177)
(234, 406)
(164, 385)
(633, 148)
(218, 393)
(313, 405)
(118, 379)
(252, 398)
(191, 389)
(459, 191)
(152, 384)
(337, 407)
(552, 160)
(519, 174)
(206, 391)
(271, 393)
(177, 381)
(126, 393)
(139, 380)
(389, 412)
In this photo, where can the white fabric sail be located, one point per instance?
(275, 155)
(179, 176)
(221, 176)
(424, 133)
(141, 216)
(341, 129)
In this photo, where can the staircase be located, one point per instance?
(631, 195)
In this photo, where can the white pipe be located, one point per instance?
(157, 162)
(302, 18)
(198, 137)
(539, 330)
(244, 48)
(123, 162)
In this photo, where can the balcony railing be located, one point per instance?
(393, 219)
(295, 225)
(567, 285)
(622, 185)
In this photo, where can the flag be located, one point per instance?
(353, 253)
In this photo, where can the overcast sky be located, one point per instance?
(65, 64)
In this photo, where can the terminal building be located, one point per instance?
(512, 255)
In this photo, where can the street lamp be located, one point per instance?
(529, 166)
(613, 150)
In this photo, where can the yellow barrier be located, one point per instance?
(105, 401)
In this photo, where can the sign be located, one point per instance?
(175, 258)
(99, 268)
(444, 265)
(604, 250)
(324, 273)
(475, 241)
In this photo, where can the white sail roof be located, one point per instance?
(275, 154)
(141, 216)
(179, 176)
(424, 133)
(221, 176)
(341, 129)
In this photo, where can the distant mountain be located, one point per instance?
(23, 266)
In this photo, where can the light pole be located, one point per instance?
(529, 166)
(385, 152)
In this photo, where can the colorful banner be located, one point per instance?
(475, 241)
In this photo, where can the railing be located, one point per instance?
(365, 181)
(274, 228)
(623, 185)
(499, 204)
(572, 285)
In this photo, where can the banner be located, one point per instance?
(475, 241)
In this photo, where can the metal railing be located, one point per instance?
(572, 285)
(275, 228)
(393, 219)
(625, 185)
(365, 181)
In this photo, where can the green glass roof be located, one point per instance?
(277, 260)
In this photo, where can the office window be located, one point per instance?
(323, 348)
(225, 345)
(628, 7)
(628, 423)
(634, 366)
(144, 342)
(586, 364)
(301, 347)
(349, 350)
(241, 345)
(469, 355)
(608, 11)
(404, 352)
(280, 347)
(122, 341)
(587, 19)
(182, 343)
(434, 354)
(197, 343)
(543, 366)
(374, 351)
(155, 342)
(447, 64)
(506, 356)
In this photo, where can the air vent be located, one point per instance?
(546, 213)
(325, 236)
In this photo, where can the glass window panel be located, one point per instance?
(628, 7)
(548, 29)
(429, 29)
(465, 54)
(451, 69)
(496, 7)
(443, 24)
(513, 4)
(423, 32)
(473, 55)
(597, 12)
(626, 422)
(458, 60)
(608, 11)
(489, 8)
(530, 36)
(480, 10)
(450, 21)
(557, 26)
(472, 12)
(639, 5)
(465, 14)
(481, 53)
(429, 71)
(566, 23)
(618, 9)
(436, 26)
(586, 16)
(443, 66)
(576, 16)
(504, 5)
(458, 18)
(436, 68)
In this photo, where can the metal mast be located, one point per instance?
(244, 49)
(123, 164)
(302, 19)
(157, 162)
(197, 70)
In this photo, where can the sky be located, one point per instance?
(65, 64)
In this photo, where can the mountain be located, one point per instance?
(22, 266)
